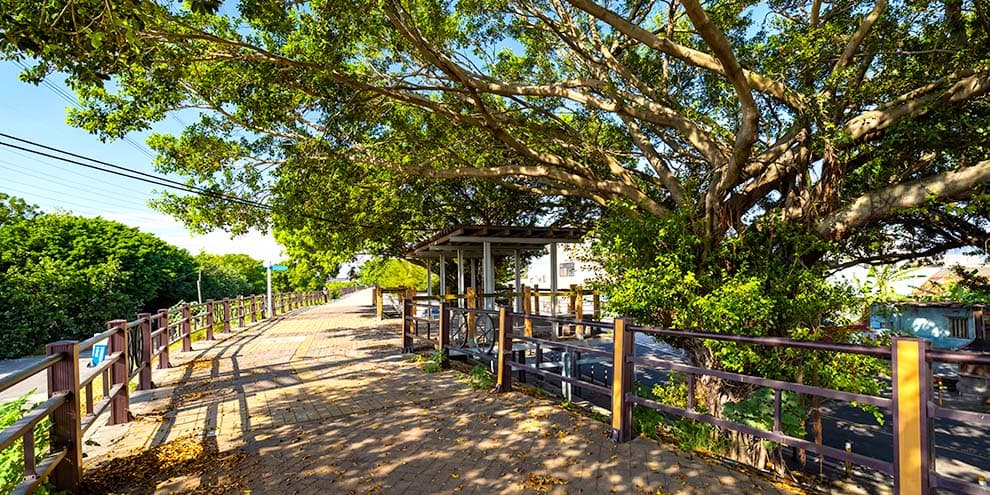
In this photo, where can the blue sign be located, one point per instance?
(99, 352)
(278, 268)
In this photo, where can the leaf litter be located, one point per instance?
(145, 470)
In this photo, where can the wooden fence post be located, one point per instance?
(147, 348)
(622, 378)
(472, 302)
(210, 308)
(444, 335)
(912, 427)
(186, 328)
(407, 322)
(254, 308)
(66, 431)
(240, 311)
(579, 310)
(504, 377)
(596, 302)
(163, 338)
(226, 315)
(119, 373)
(380, 311)
(536, 300)
(527, 308)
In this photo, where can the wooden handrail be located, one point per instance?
(64, 466)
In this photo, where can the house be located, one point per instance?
(948, 325)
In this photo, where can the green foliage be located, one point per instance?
(480, 378)
(14, 209)
(648, 421)
(757, 411)
(64, 277)
(300, 276)
(660, 271)
(431, 363)
(434, 362)
(335, 288)
(392, 273)
(230, 275)
(689, 434)
(12, 458)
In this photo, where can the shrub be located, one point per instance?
(12, 458)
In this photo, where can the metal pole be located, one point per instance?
(474, 275)
(429, 289)
(460, 271)
(553, 286)
(518, 281)
(429, 277)
(488, 275)
(268, 300)
(443, 275)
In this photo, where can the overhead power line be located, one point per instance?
(61, 155)
(125, 172)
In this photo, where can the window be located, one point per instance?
(959, 327)
(566, 270)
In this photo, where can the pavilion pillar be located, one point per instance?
(488, 274)
(429, 277)
(519, 295)
(460, 272)
(429, 289)
(474, 275)
(553, 286)
(443, 275)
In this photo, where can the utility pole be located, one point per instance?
(269, 268)
(199, 290)
(268, 299)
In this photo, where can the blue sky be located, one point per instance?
(37, 113)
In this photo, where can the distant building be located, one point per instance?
(940, 282)
(948, 325)
(570, 269)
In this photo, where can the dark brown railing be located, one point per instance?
(911, 405)
(132, 348)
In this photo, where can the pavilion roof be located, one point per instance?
(470, 239)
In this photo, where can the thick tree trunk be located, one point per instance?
(714, 393)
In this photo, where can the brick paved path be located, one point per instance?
(323, 402)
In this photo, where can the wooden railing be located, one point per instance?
(911, 405)
(132, 347)
(532, 301)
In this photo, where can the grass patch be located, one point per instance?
(480, 378)
(430, 363)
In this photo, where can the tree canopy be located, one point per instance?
(865, 122)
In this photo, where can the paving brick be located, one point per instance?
(322, 401)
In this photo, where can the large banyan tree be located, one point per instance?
(732, 151)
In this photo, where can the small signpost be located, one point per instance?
(99, 353)
(268, 300)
